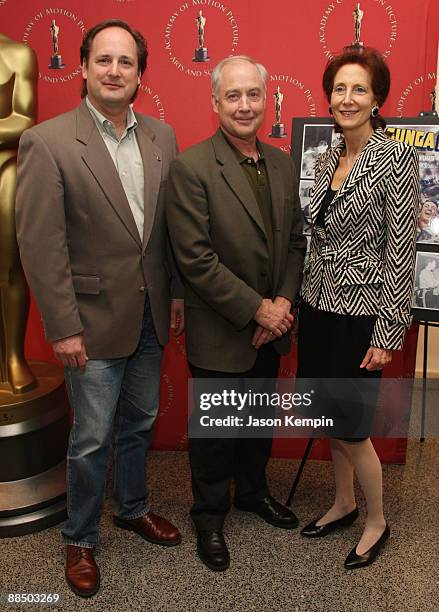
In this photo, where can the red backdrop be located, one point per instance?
(292, 39)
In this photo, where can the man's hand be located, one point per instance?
(275, 316)
(177, 317)
(376, 359)
(262, 336)
(283, 303)
(71, 351)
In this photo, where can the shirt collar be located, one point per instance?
(241, 157)
(108, 126)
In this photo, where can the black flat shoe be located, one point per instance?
(212, 550)
(353, 560)
(271, 511)
(319, 531)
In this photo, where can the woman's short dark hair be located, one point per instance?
(373, 62)
(142, 51)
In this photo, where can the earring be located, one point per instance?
(330, 110)
(375, 110)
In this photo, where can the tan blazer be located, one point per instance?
(81, 251)
(220, 247)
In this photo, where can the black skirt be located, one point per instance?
(332, 346)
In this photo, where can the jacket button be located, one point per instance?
(142, 288)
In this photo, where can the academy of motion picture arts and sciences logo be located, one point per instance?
(370, 23)
(421, 81)
(285, 94)
(56, 34)
(198, 34)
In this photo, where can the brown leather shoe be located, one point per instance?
(151, 527)
(82, 573)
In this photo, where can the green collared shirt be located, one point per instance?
(257, 176)
(126, 156)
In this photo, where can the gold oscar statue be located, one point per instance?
(54, 30)
(55, 59)
(278, 128)
(431, 112)
(201, 24)
(278, 99)
(34, 421)
(201, 53)
(358, 15)
(18, 72)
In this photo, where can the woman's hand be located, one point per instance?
(376, 359)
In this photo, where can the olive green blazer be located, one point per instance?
(221, 250)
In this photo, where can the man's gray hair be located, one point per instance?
(216, 72)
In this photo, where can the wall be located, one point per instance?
(293, 39)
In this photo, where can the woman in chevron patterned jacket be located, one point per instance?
(358, 280)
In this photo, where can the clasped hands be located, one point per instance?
(274, 320)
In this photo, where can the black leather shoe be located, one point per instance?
(272, 512)
(319, 531)
(353, 560)
(212, 549)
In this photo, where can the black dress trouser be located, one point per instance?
(215, 462)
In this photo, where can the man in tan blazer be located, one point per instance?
(235, 224)
(93, 242)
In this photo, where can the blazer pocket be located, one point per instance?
(360, 276)
(87, 284)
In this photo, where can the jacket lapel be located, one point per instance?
(152, 168)
(277, 190)
(276, 187)
(233, 175)
(323, 180)
(364, 164)
(99, 162)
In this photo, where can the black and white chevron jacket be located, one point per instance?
(363, 262)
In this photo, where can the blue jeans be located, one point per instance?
(113, 400)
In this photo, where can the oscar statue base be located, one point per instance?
(278, 131)
(34, 430)
(34, 503)
(201, 55)
(56, 62)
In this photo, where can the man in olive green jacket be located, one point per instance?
(235, 225)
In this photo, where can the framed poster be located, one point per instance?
(423, 134)
(312, 136)
(309, 138)
(426, 292)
